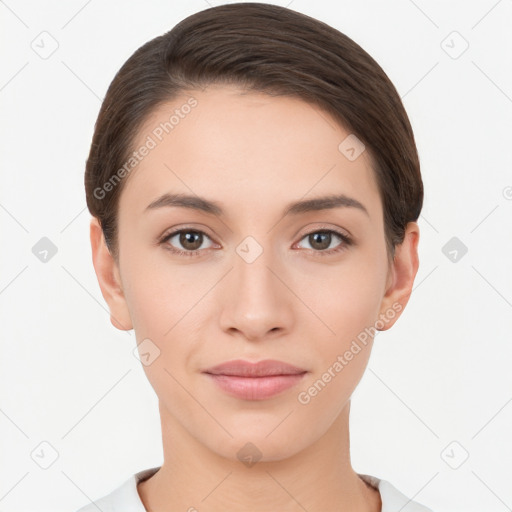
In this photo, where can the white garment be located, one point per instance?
(126, 498)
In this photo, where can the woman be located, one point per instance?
(254, 185)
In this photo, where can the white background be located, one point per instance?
(441, 374)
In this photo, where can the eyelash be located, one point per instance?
(347, 241)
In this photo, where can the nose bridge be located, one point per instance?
(256, 301)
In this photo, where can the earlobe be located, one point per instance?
(109, 278)
(401, 277)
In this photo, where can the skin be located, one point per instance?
(253, 154)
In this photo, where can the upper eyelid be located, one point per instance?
(339, 231)
(322, 227)
(336, 231)
(173, 232)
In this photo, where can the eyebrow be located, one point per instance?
(199, 203)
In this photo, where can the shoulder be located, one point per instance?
(124, 498)
(392, 499)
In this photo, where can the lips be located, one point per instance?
(255, 381)
(264, 368)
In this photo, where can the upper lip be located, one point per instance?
(264, 368)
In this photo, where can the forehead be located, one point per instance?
(243, 147)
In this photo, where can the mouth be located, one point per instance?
(255, 381)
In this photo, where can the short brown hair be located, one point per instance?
(270, 49)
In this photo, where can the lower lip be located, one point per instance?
(256, 388)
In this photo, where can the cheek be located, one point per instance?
(160, 294)
(164, 308)
(343, 352)
(327, 392)
(167, 306)
(346, 302)
(153, 305)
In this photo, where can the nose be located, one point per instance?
(255, 301)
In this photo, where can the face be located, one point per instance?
(232, 274)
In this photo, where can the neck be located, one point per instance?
(318, 478)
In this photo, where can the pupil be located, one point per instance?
(188, 238)
(327, 239)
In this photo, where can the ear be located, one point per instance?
(109, 278)
(400, 279)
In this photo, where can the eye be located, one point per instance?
(321, 239)
(190, 239)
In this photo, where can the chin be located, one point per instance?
(254, 445)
